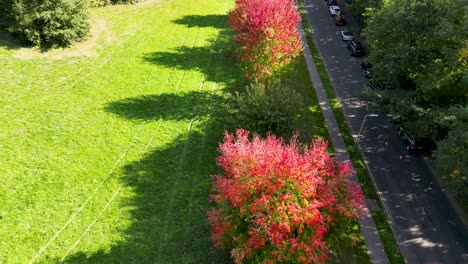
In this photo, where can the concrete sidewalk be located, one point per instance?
(368, 228)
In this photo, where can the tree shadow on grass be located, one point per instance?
(10, 42)
(215, 21)
(201, 59)
(185, 106)
(171, 184)
(220, 51)
(171, 187)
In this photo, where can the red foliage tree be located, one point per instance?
(266, 31)
(276, 201)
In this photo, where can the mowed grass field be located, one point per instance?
(106, 148)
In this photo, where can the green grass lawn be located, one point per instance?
(107, 147)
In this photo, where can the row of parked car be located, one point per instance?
(356, 49)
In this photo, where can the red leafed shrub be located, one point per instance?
(267, 34)
(276, 201)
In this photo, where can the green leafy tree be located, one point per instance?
(50, 23)
(452, 161)
(359, 8)
(401, 36)
(420, 48)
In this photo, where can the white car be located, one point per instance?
(346, 35)
(334, 10)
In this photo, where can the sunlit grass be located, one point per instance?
(107, 147)
(81, 179)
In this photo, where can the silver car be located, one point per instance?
(346, 35)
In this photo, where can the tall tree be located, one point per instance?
(276, 202)
(420, 47)
(266, 31)
(452, 161)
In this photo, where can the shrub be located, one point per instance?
(267, 34)
(98, 3)
(268, 108)
(5, 7)
(276, 201)
(50, 23)
(452, 162)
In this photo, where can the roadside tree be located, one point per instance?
(266, 31)
(277, 202)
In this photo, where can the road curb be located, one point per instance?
(368, 228)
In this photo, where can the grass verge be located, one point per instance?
(388, 239)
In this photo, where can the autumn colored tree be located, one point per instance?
(275, 202)
(266, 31)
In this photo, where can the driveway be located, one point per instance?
(427, 227)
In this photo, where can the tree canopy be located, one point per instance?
(421, 48)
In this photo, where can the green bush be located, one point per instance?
(268, 108)
(452, 163)
(50, 23)
(98, 3)
(5, 7)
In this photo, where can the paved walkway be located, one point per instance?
(368, 229)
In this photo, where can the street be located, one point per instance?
(427, 227)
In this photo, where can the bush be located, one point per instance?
(5, 7)
(50, 23)
(268, 108)
(276, 202)
(452, 162)
(98, 3)
(267, 34)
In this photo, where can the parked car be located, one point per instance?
(346, 35)
(332, 2)
(334, 10)
(355, 48)
(339, 20)
(365, 68)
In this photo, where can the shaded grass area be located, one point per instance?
(383, 226)
(311, 124)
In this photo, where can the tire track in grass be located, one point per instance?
(77, 212)
(193, 184)
(129, 34)
(203, 143)
(164, 236)
(88, 68)
(83, 206)
(168, 81)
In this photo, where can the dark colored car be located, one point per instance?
(355, 48)
(339, 20)
(332, 2)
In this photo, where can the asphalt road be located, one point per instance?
(427, 227)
